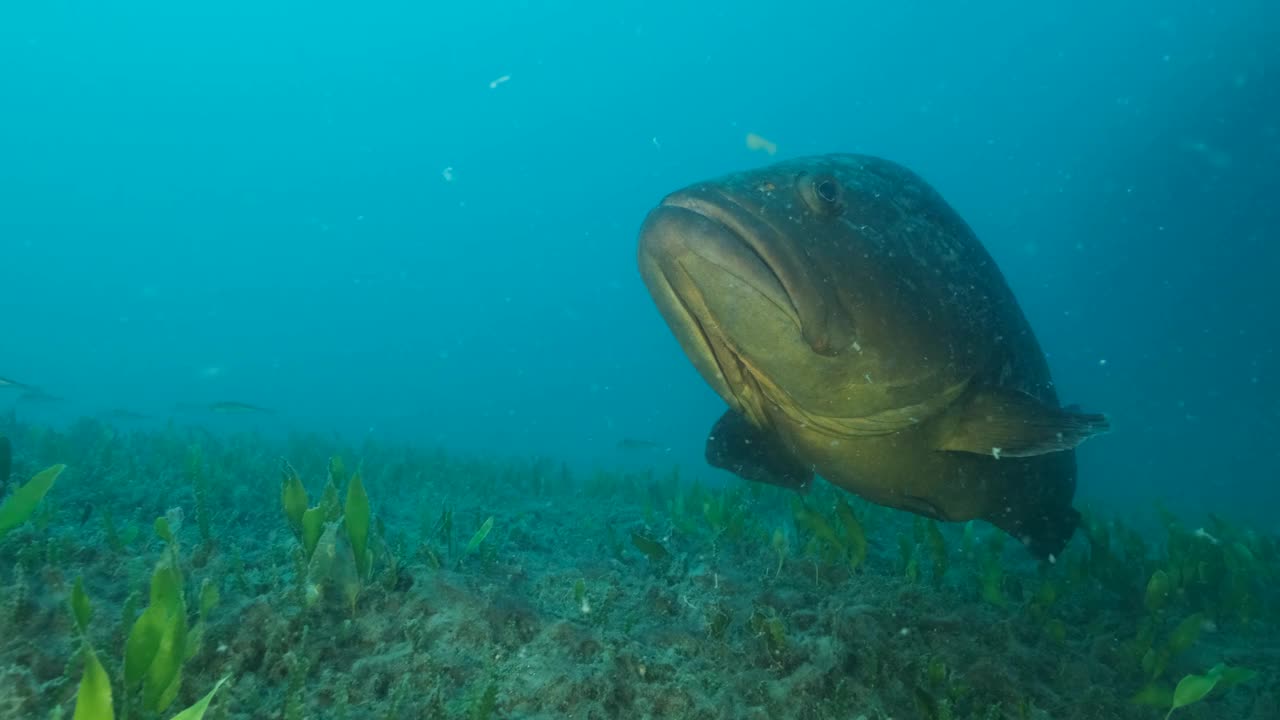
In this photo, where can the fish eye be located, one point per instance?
(827, 190)
(823, 195)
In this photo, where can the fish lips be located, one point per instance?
(686, 256)
(769, 250)
(718, 232)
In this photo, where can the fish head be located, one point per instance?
(825, 284)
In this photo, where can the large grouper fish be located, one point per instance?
(858, 330)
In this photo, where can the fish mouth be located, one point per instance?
(691, 231)
(735, 241)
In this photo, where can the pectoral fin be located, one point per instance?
(1008, 423)
(754, 454)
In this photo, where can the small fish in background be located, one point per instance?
(6, 463)
(758, 143)
(638, 444)
(1214, 157)
(125, 415)
(232, 407)
(227, 407)
(36, 395)
(7, 384)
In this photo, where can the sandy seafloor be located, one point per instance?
(604, 594)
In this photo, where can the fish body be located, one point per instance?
(238, 408)
(858, 330)
(6, 463)
(124, 415)
(7, 384)
(36, 395)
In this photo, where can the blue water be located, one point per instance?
(418, 220)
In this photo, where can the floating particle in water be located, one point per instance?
(1204, 535)
(447, 174)
(493, 85)
(756, 142)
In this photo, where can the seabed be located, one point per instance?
(383, 581)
